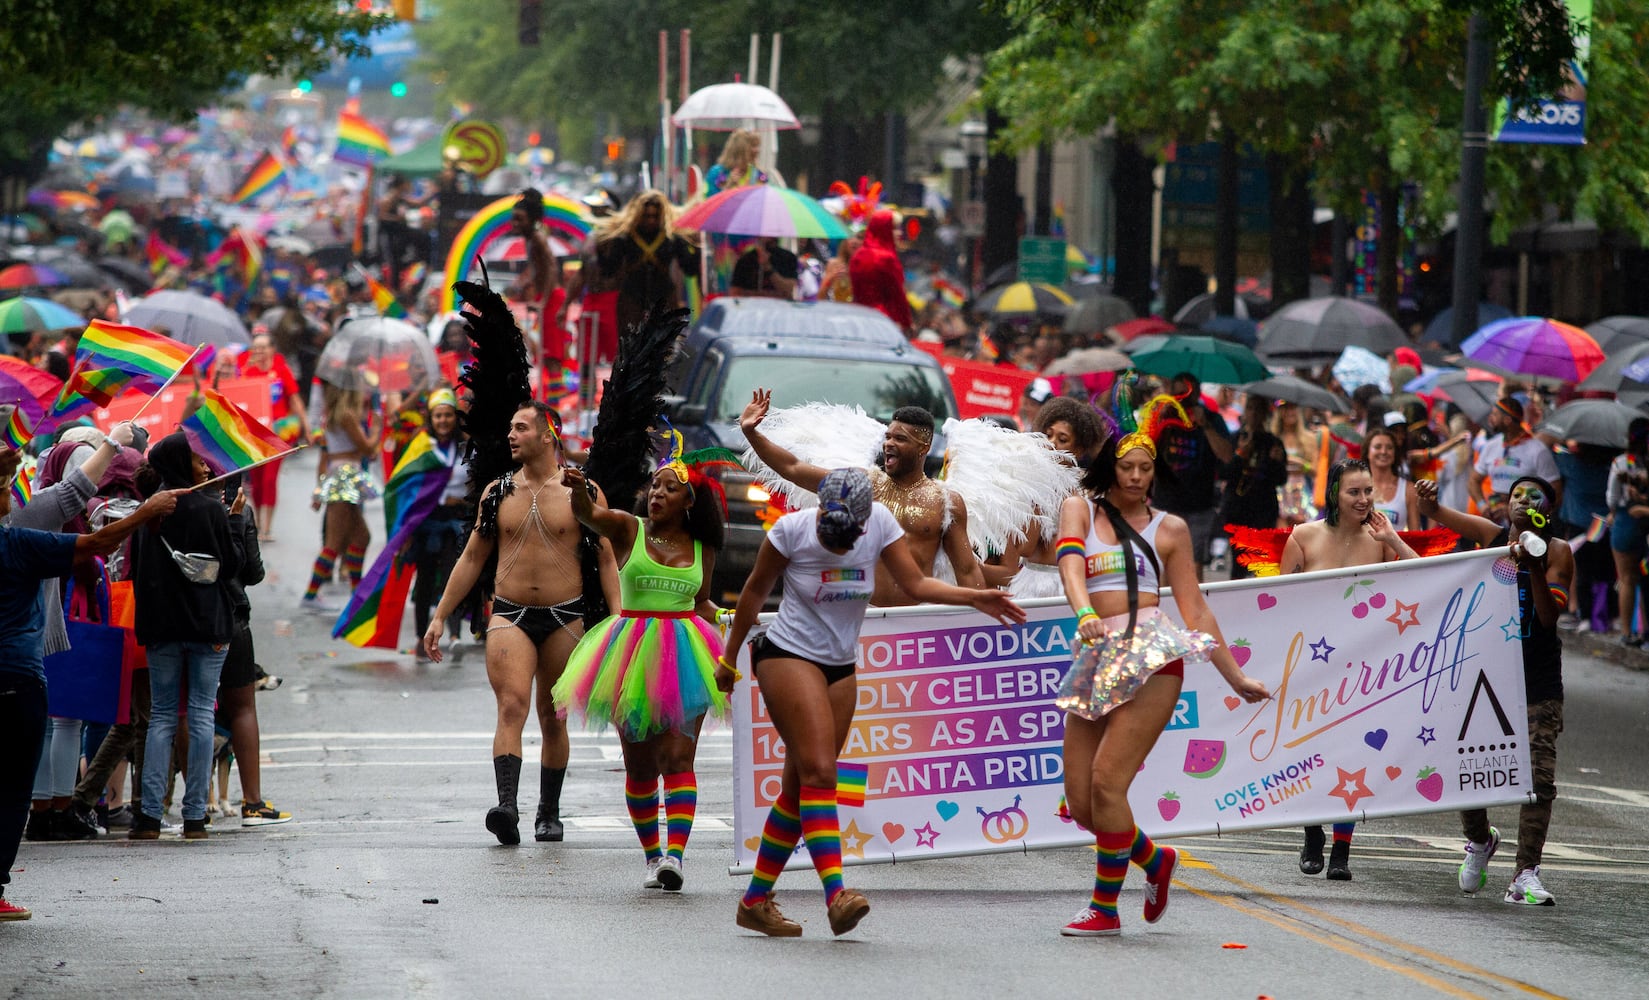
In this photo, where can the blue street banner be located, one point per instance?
(1560, 120)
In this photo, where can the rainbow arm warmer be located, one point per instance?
(1070, 546)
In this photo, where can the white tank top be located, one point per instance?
(1105, 569)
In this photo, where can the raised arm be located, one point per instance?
(784, 464)
(108, 538)
(590, 507)
(1468, 526)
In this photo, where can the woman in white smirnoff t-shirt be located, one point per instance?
(805, 666)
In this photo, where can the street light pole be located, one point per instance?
(1474, 148)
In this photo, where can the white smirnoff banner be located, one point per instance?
(1399, 690)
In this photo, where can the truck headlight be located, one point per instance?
(756, 495)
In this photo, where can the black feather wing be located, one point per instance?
(621, 453)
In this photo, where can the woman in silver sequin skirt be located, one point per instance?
(1125, 675)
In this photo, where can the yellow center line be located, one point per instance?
(1323, 917)
(1300, 928)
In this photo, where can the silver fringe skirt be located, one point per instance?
(348, 483)
(1110, 672)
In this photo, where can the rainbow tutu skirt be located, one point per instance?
(644, 674)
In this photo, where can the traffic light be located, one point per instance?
(615, 149)
(526, 31)
(398, 89)
(306, 86)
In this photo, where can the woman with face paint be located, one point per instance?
(804, 663)
(1353, 532)
(1543, 581)
(649, 670)
(1115, 552)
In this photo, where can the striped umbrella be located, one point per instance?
(763, 210)
(1531, 345)
(1023, 300)
(25, 314)
(31, 276)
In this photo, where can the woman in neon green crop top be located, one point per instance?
(650, 669)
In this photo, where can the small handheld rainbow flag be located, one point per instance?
(850, 783)
(266, 175)
(22, 488)
(90, 388)
(382, 297)
(227, 436)
(241, 250)
(18, 430)
(360, 143)
(162, 255)
(151, 358)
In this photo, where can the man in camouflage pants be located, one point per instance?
(1542, 594)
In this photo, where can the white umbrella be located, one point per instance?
(723, 107)
(188, 318)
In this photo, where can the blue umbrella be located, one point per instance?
(1236, 329)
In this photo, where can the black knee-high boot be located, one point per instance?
(1311, 855)
(503, 819)
(548, 824)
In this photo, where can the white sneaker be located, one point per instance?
(651, 881)
(669, 874)
(1474, 870)
(318, 605)
(1527, 890)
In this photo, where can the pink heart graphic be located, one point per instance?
(1394, 773)
(1231, 703)
(1266, 602)
(892, 831)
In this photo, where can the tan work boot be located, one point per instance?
(764, 918)
(849, 908)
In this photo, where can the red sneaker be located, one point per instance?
(10, 911)
(1156, 888)
(1092, 923)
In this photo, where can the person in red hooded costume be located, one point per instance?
(877, 276)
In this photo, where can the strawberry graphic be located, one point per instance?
(1241, 651)
(1168, 805)
(1430, 784)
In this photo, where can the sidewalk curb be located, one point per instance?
(1607, 648)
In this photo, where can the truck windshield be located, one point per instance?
(879, 387)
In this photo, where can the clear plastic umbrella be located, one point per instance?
(389, 355)
(188, 318)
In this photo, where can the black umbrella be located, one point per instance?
(1615, 332)
(1322, 328)
(1094, 313)
(1607, 377)
(1441, 328)
(1475, 397)
(1592, 421)
(81, 272)
(130, 273)
(1293, 389)
(1200, 310)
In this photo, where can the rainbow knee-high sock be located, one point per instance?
(1111, 856)
(641, 799)
(681, 799)
(1145, 852)
(823, 833)
(354, 559)
(1342, 832)
(321, 572)
(779, 835)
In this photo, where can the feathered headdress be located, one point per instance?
(857, 206)
(1158, 413)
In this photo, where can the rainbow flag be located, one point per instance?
(22, 488)
(383, 298)
(151, 358)
(289, 141)
(162, 254)
(266, 175)
(949, 294)
(227, 436)
(373, 615)
(18, 430)
(241, 250)
(90, 388)
(360, 143)
(850, 783)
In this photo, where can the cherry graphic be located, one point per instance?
(1360, 610)
(1377, 600)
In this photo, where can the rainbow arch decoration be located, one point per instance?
(562, 216)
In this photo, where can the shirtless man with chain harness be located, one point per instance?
(932, 515)
(526, 516)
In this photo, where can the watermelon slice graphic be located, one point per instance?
(1204, 758)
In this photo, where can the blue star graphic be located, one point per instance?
(1320, 649)
(1512, 630)
(1427, 735)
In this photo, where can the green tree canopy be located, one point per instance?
(69, 61)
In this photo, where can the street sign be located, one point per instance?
(972, 218)
(1042, 259)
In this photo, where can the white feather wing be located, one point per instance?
(827, 435)
(1008, 480)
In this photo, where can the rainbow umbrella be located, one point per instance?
(25, 314)
(763, 210)
(31, 276)
(1023, 300)
(1531, 345)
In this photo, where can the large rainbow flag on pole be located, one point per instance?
(267, 174)
(373, 615)
(228, 437)
(360, 143)
(112, 358)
